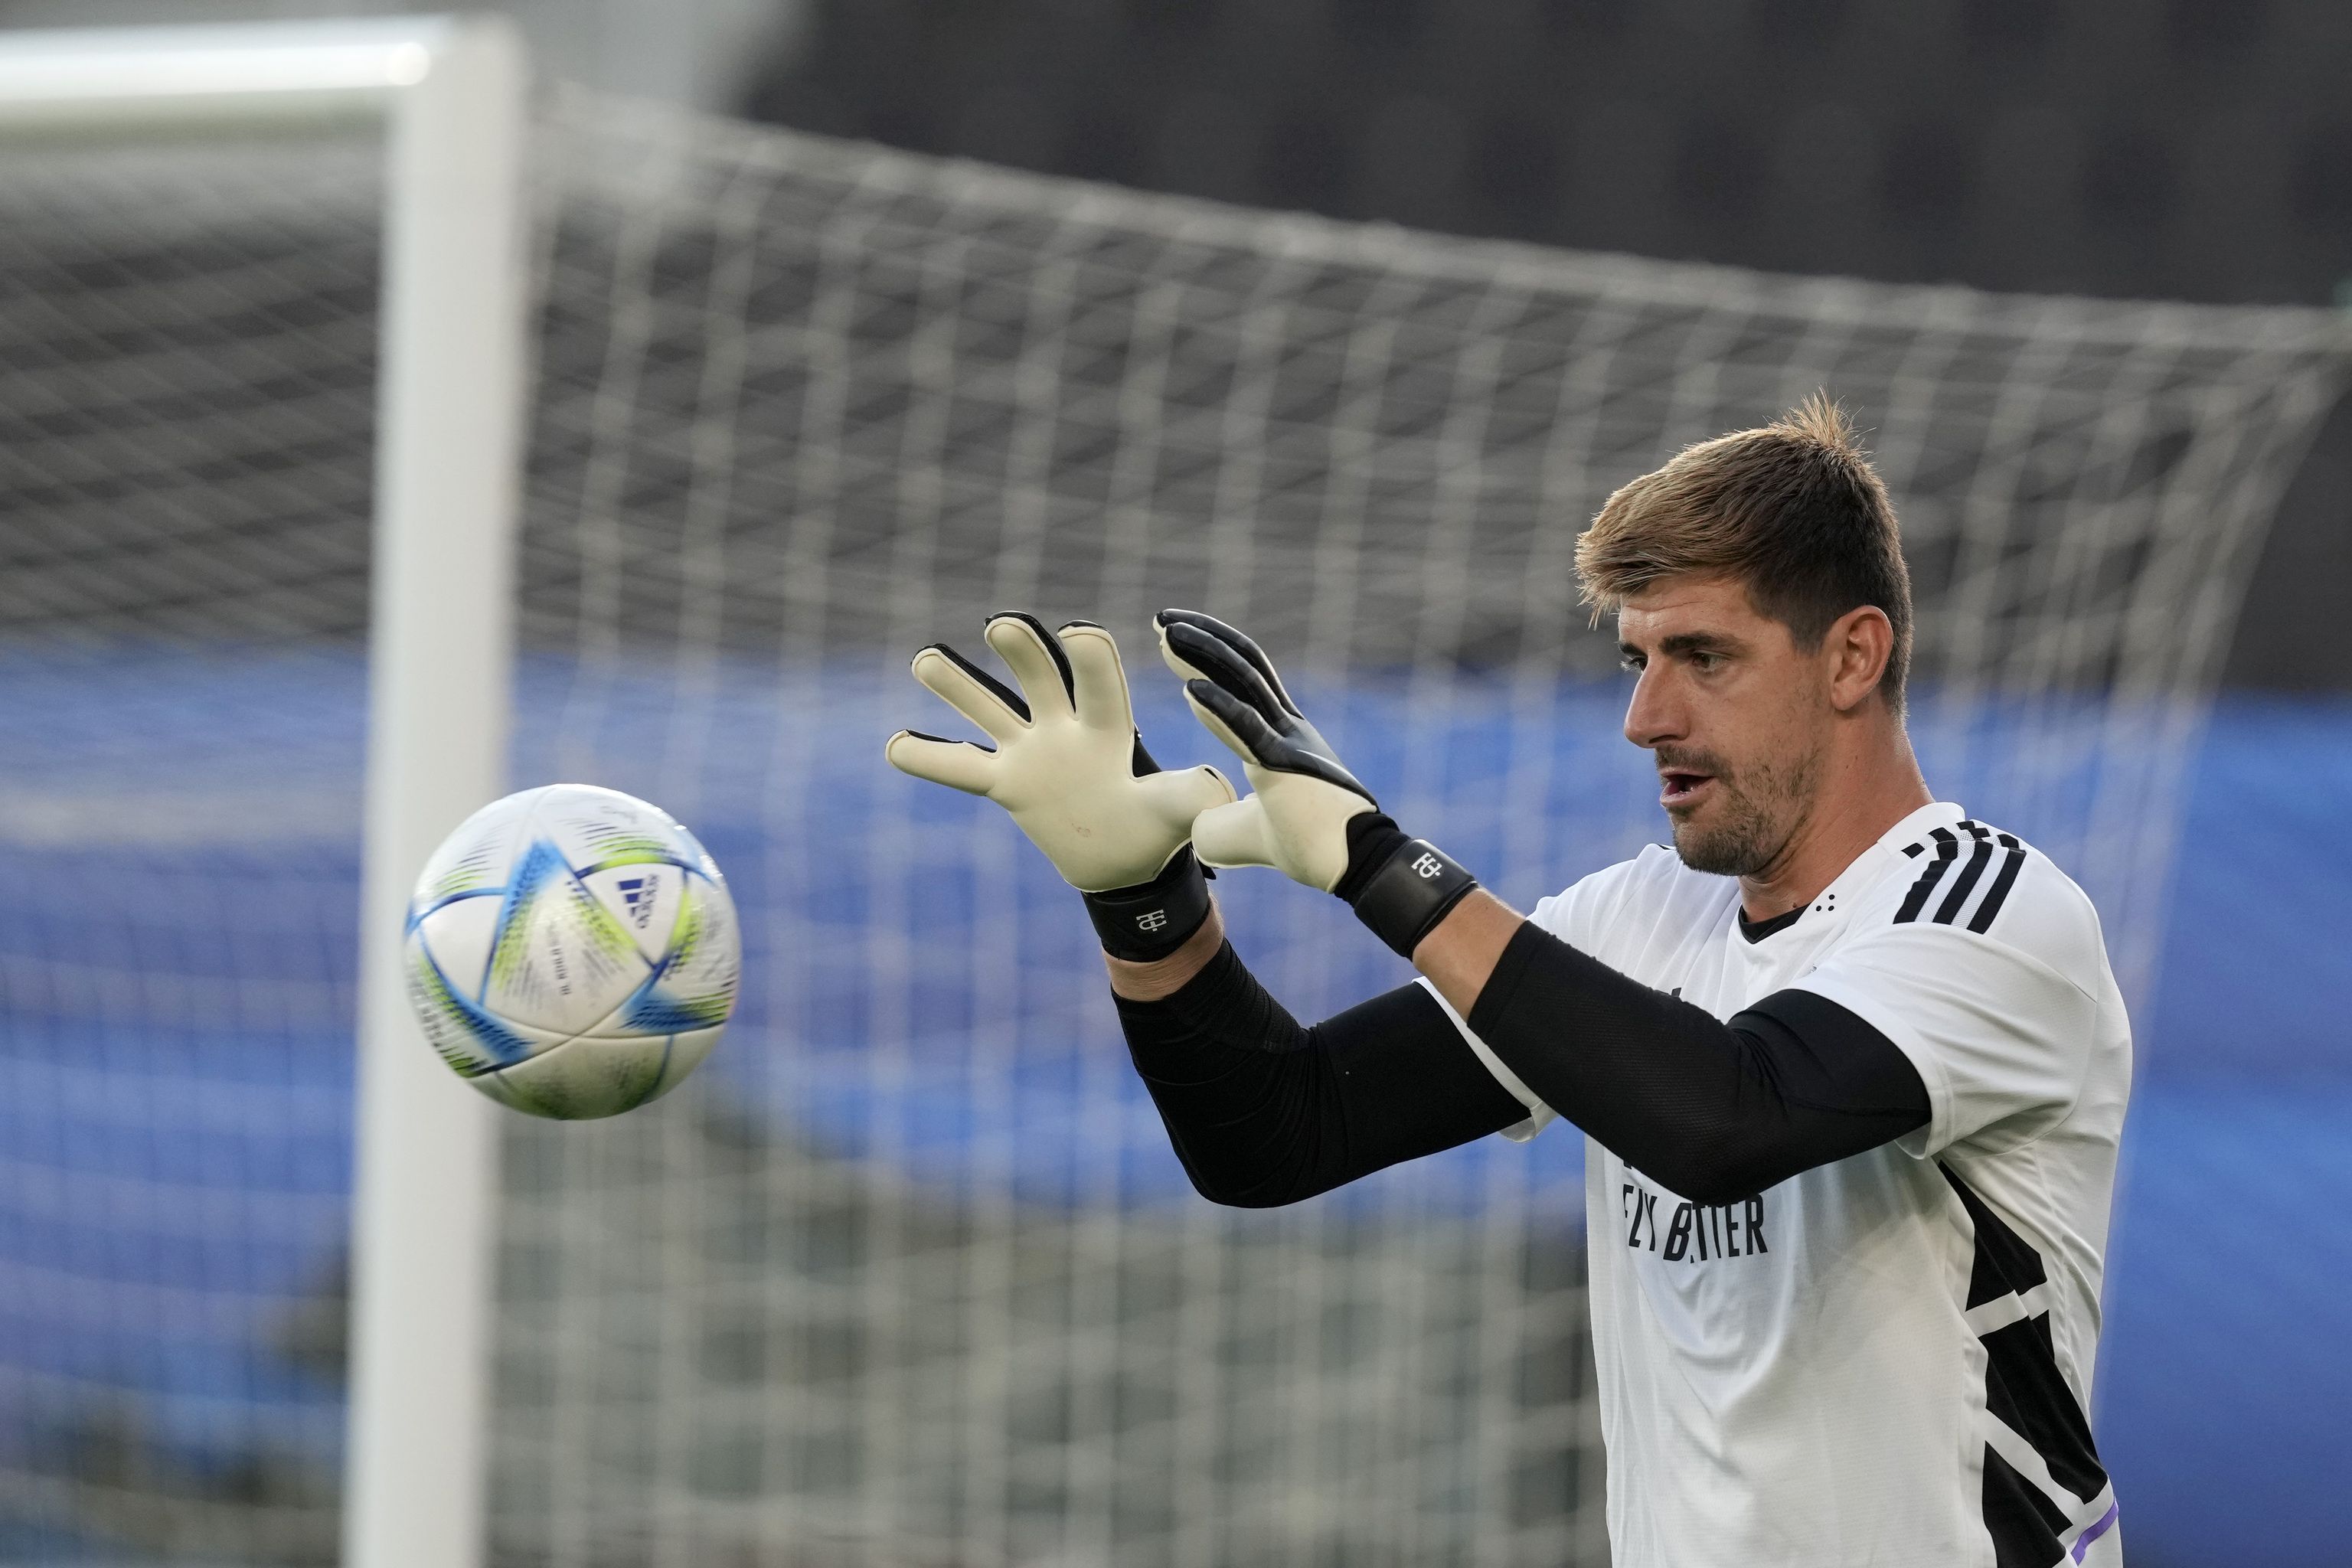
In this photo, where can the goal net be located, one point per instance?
(907, 1274)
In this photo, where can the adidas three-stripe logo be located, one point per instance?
(1981, 843)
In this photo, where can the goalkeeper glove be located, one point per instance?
(1308, 816)
(1070, 767)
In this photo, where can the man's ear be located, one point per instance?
(1857, 647)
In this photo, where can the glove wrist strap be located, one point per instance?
(1151, 920)
(1400, 887)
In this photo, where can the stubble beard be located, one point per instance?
(1761, 810)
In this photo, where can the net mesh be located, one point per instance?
(187, 350)
(907, 1274)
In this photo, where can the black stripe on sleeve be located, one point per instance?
(1970, 875)
(1947, 849)
(2005, 1262)
(1982, 921)
(2025, 1392)
(2025, 1525)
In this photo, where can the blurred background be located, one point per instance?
(2119, 150)
(2194, 149)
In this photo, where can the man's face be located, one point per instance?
(1737, 715)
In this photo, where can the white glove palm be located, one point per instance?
(1068, 764)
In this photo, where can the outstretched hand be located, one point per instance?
(1068, 764)
(1303, 796)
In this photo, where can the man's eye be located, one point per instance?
(1707, 663)
(1630, 661)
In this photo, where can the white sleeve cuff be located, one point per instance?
(1540, 1115)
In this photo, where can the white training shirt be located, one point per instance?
(1886, 1360)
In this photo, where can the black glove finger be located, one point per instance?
(1223, 665)
(1246, 724)
(1241, 642)
(1270, 748)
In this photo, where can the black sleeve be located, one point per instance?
(1715, 1111)
(1263, 1112)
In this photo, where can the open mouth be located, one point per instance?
(1681, 788)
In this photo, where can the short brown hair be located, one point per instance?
(1793, 511)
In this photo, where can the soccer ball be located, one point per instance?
(571, 952)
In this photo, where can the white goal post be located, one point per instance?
(449, 93)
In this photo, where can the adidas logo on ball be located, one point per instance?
(565, 964)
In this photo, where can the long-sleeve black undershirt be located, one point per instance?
(1264, 1112)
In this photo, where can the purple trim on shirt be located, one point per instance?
(2106, 1522)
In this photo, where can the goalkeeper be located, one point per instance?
(1851, 1065)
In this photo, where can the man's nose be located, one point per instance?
(1652, 718)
